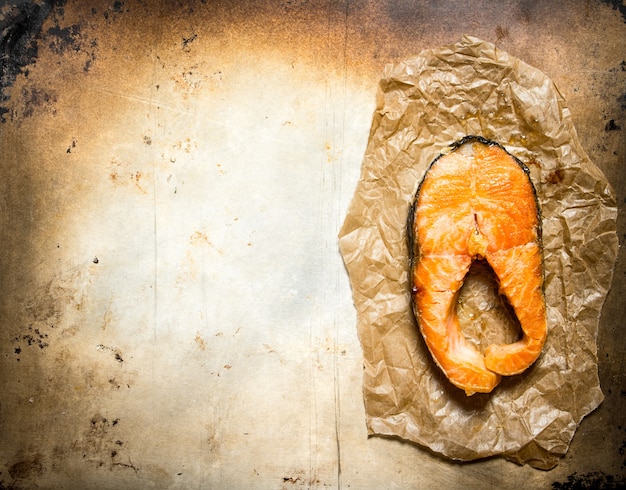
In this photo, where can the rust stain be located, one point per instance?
(200, 238)
(136, 178)
(200, 341)
(119, 174)
(188, 145)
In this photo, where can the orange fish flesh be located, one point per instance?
(476, 202)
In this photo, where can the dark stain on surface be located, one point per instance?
(116, 385)
(188, 40)
(596, 480)
(118, 7)
(99, 446)
(43, 311)
(71, 146)
(612, 126)
(20, 29)
(64, 39)
(116, 353)
(32, 465)
(33, 336)
(128, 465)
(501, 33)
(21, 33)
(68, 40)
(617, 5)
(34, 101)
(291, 479)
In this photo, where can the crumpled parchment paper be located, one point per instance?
(423, 105)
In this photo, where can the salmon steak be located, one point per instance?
(476, 202)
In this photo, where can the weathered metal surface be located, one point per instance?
(175, 312)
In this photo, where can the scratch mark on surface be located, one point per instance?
(150, 101)
(337, 183)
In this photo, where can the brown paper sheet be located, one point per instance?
(423, 105)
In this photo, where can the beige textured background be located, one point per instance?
(174, 310)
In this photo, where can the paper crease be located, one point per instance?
(424, 104)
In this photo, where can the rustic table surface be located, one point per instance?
(174, 310)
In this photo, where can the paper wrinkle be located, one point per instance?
(424, 104)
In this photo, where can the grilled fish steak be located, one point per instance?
(476, 202)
